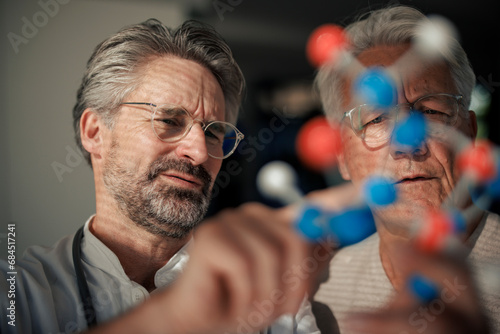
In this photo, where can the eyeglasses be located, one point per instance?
(171, 123)
(375, 125)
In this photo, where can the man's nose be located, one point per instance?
(399, 151)
(193, 146)
(409, 137)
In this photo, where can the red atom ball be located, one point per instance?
(478, 162)
(318, 143)
(324, 44)
(436, 228)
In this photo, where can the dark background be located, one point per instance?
(268, 39)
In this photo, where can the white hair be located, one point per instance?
(394, 25)
(113, 70)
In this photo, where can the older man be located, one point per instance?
(365, 277)
(155, 116)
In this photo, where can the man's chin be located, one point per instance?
(178, 208)
(403, 218)
(169, 230)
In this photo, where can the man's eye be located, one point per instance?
(377, 120)
(170, 121)
(210, 134)
(437, 114)
(216, 131)
(214, 135)
(431, 111)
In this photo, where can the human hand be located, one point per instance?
(454, 308)
(247, 267)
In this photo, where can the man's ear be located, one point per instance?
(344, 172)
(91, 132)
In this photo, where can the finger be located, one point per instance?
(265, 252)
(219, 263)
(413, 321)
(313, 266)
(223, 293)
(395, 322)
(437, 264)
(292, 282)
(452, 298)
(335, 198)
(450, 276)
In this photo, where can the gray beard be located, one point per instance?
(161, 209)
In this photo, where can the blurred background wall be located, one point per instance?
(46, 188)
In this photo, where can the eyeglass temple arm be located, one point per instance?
(140, 103)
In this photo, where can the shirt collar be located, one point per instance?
(97, 254)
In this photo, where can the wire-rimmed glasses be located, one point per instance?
(171, 123)
(375, 125)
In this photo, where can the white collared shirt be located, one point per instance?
(47, 299)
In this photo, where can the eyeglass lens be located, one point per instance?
(172, 123)
(375, 125)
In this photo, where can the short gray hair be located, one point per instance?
(392, 25)
(112, 71)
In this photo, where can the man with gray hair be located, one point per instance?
(155, 116)
(367, 289)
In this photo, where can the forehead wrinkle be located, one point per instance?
(166, 90)
(207, 99)
(433, 78)
(182, 82)
(200, 99)
(384, 56)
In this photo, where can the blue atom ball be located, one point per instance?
(311, 223)
(481, 196)
(376, 87)
(380, 191)
(411, 132)
(459, 222)
(423, 288)
(352, 226)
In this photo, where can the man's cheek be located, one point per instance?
(446, 158)
(366, 164)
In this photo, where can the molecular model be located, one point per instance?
(318, 144)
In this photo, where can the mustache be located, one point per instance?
(163, 164)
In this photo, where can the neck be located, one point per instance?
(141, 253)
(388, 249)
